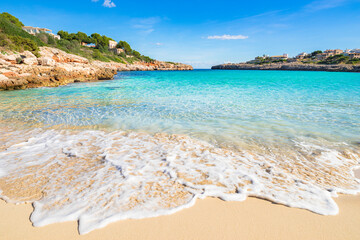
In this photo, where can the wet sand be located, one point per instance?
(208, 219)
(357, 173)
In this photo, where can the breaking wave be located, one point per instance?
(98, 177)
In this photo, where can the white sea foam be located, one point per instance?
(100, 177)
(2, 173)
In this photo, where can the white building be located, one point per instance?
(37, 30)
(354, 51)
(112, 44)
(302, 55)
(280, 57)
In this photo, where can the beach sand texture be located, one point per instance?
(357, 173)
(208, 219)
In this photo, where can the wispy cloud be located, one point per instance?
(228, 37)
(159, 44)
(324, 4)
(145, 25)
(107, 3)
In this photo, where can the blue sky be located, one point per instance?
(203, 33)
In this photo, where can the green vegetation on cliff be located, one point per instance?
(266, 60)
(12, 19)
(14, 38)
(312, 58)
(339, 59)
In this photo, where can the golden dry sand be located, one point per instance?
(208, 219)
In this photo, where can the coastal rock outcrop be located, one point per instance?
(46, 61)
(60, 56)
(29, 58)
(55, 67)
(12, 84)
(290, 67)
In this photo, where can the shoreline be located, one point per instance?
(56, 67)
(290, 67)
(210, 218)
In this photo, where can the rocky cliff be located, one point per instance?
(290, 67)
(55, 67)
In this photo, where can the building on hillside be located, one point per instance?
(55, 36)
(90, 45)
(338, 51)
(322, 56)
(118, 51)
(331, 52)
(354, 51)
(112, 44)
(37, 30)
(302, 55)
(281, 57)
(354, 55)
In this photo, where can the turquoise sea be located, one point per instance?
(286, 136)
(221, 105)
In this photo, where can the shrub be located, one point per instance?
(136, 54)
(11, 29)
(12, 19)
(354, 61)
(147, 59)
(43, 37)
(124, 45)
(313, 54)
(337, 59)
(98, 56)
(51, 40)
(122, 54)
(24, 43)
(64, 35)
(68, 46)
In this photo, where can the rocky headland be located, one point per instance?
(290, 67)
(55, 67)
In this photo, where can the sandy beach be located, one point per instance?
(208, 219)
(357, 173)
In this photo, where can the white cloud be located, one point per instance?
(324, 4)
(107, 3)
(159, 44)
(228, 37)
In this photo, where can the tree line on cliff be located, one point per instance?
(14, 38)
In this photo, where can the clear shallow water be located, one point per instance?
(257, 104)
(290, 137)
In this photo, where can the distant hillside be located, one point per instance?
(13, 37)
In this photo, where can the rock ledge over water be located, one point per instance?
(55, 67)
(290, 67)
